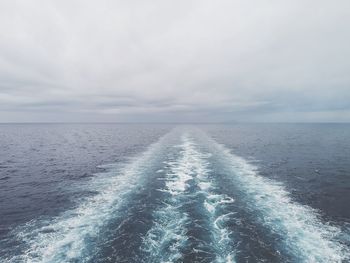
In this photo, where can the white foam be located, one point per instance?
(230, 258)
(167, 237)
(222, 235)
(212, 203)
(205, 186)
(68, 235)
(304, 234)
(163, 242)
(210, 207)
(178, 183)
(170, 223)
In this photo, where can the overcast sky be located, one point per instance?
(181, 61)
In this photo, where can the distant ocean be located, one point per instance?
(174, 193)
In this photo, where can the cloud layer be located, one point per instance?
(180, 60)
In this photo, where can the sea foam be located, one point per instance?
(305, 236)
(70, 236)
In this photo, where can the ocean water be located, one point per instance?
(174, 193)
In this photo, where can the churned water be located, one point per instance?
(166, 193)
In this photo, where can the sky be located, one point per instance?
(175, 61)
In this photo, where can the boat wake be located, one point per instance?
(210, 206)
(187, 181)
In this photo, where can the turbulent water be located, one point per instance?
(184, 197)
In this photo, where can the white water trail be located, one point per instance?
(70, 236)
(167, 237)
(213, 203)
(304, 234)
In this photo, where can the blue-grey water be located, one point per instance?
(174, 193)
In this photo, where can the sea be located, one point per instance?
(150, 193)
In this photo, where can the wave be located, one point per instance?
(214, 204)
(70, 237)
(304, 235)
(188, 174)
(168, 237)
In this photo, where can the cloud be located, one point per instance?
(174, 60)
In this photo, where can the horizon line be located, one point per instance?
(223, 122)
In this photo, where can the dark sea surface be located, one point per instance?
(174, 193)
